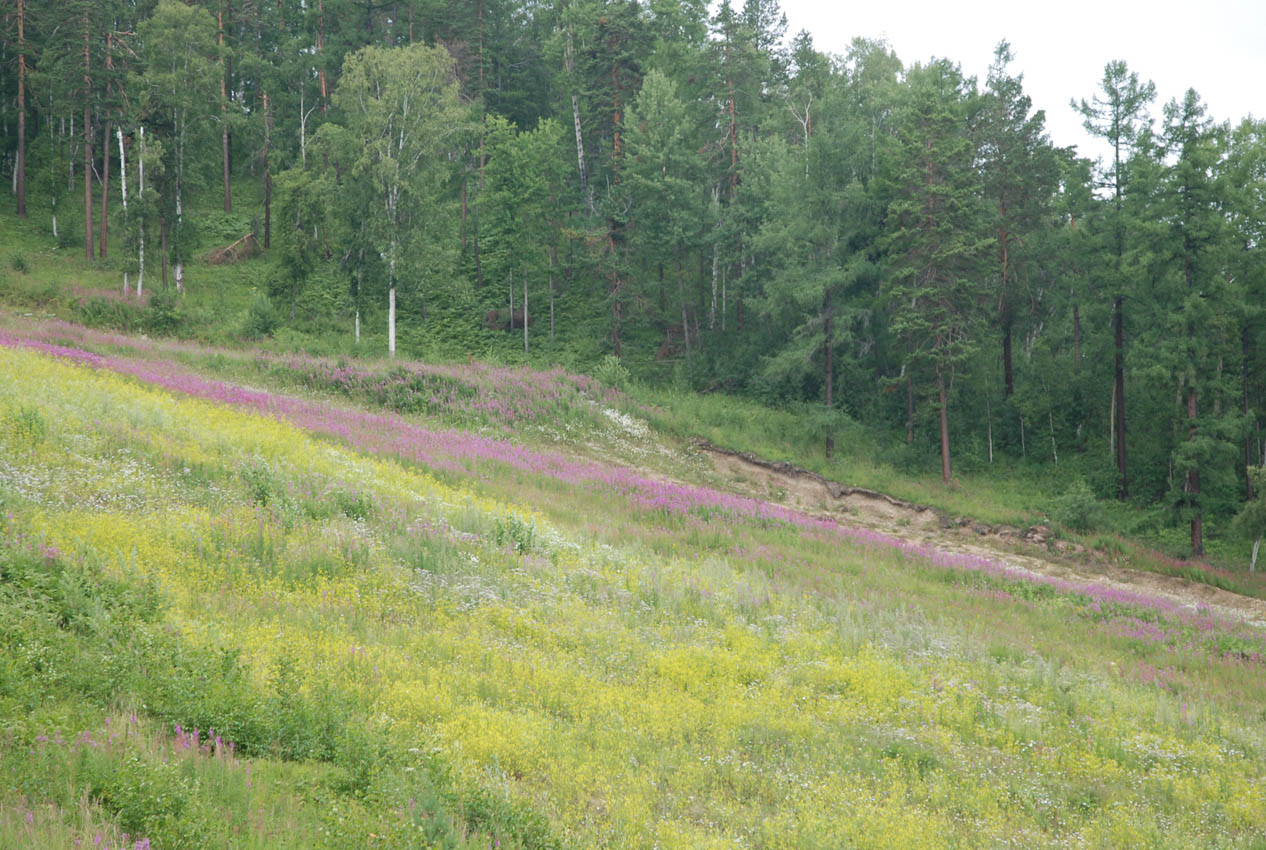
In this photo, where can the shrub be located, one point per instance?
(163, 315)
(17, 262)
(612, 372)
(262, 318)
(1077, 509)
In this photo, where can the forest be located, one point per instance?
(688, 194)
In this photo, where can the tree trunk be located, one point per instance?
(909, 412)
(1008, 378)
(87, 130)
(569, 62)
(180, 221)
(268, 188)
(945, 447)
(224, 115)
(123, 190)
(360, 283)
(525, 312)
(162, 246)
(140, 194)
(681, 293)
(1123, 488)
(712, 312)
(989, 427)
(616, 316)
(1076, 340)
(479, 266)
(827, 346)
(724, 311)
(553, 261)
(19, 167)
(54, 152)
(89, 236)
(391, 304)
(1193, 479)
(1246, 348)
(105, 192)
(105, 154)
(1252, 565)
(320, 45)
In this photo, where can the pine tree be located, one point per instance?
(936, 232)
(1120, 117)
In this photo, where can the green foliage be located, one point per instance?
(17, 262)
(1077, 509)
(164, 314)
(514, 532)
(612, 372)
(24, 426)
(262, 318)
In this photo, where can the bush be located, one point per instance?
(1077, 509)
(612, 372)
(17, 262)
(163, 315)
(70, 232)
(262, 318)
(102, 312)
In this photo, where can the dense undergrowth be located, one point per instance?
(405, 634)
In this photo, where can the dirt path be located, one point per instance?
(1026, 550)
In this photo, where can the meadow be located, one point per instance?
(353, 606)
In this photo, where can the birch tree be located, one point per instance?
(180, 103)
(402, 106)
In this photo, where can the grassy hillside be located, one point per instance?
(227, 308)
(407, 629)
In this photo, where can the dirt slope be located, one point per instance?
(1026, 550)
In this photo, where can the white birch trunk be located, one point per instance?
(180, 267)
(391, 306)
(52, 150)
(1050, 416)
(525, 313)
(358, 326)
(1252, 565)
(123, 188)
(140, 271)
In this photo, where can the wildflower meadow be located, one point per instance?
(350, 607)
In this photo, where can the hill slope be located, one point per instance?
(479, 624)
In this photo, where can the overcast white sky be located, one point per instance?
(1217, 47)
